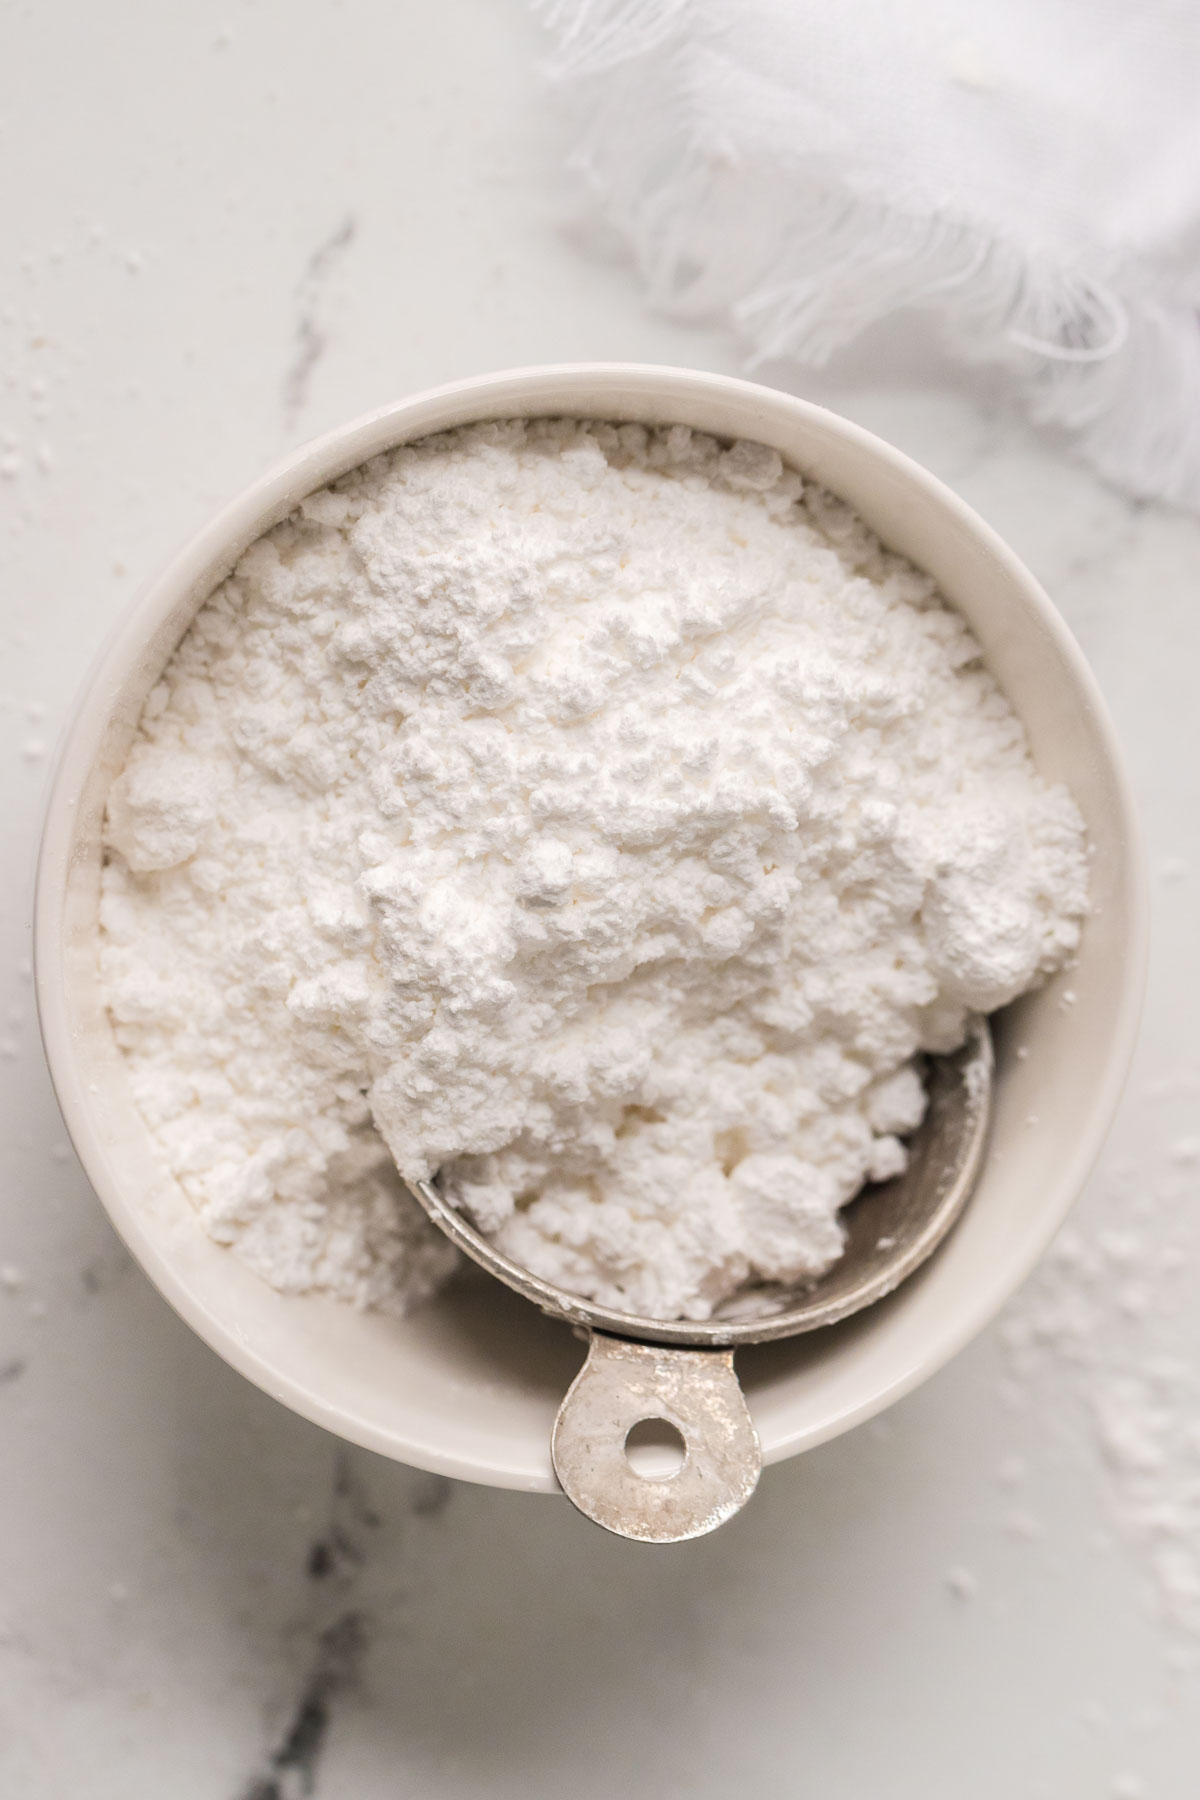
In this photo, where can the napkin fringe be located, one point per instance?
(802, 259)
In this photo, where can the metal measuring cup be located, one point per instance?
(681, 1371)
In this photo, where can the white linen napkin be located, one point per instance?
(1027, 171)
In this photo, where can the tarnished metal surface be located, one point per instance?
(890, 1231)
(698, 1393)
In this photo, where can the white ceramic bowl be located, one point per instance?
(469, 1385)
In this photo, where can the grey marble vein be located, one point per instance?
(336, 1625)
(311, 333)
(293, 1764)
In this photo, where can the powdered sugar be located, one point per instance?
(1099, 1312)
(606, 818)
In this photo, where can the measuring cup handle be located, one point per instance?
(620, 1385)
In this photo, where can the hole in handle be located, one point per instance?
(655, 1449)
(684, 1410)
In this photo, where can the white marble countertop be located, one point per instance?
(225, 228)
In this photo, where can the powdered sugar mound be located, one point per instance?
(607, 818)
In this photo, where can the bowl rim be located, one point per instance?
(312, 465)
